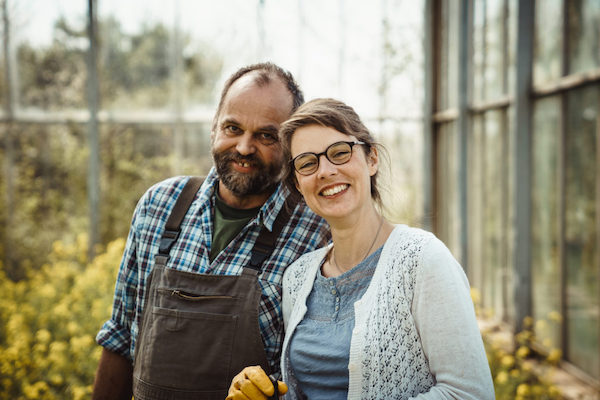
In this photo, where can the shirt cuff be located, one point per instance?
(115, 338)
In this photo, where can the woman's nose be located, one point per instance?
(326, 167)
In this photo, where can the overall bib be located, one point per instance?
(199, 330)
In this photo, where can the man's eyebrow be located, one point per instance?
(229, 121)
(268, 129)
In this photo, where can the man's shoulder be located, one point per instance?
(160, 197)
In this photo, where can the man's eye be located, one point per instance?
(267, 137)
(232, 130)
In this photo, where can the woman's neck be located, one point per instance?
(354, 239)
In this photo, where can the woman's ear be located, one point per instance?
(296, 183)
(373, 160)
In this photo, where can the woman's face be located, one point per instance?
(334, 191)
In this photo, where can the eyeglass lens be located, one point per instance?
(338, 153)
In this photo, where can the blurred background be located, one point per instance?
(489, 110)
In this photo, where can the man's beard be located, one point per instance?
(263, 180)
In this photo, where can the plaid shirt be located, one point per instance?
(304, 232)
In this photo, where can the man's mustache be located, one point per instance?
(237, 157)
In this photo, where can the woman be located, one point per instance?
(384, 311)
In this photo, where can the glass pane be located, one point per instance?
(494, 47)
(152, 59)
(509, 228)
(547, 51)
(447, 188)
(494, 213)
(512, 44)
(584, 35)
(581, 246)
(545, 261)
(448, 72)
(50, 45)
(478, 50)
(49, 187)
(475, 187)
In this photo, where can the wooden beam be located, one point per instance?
(93, 181)
(522, 167)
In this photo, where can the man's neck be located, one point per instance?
(245, 202)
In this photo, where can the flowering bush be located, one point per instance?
(49, 320)
(518, 371)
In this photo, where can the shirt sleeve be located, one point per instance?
(115, 334)
(446, 322)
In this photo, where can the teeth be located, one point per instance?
(333, 190)
(244, 164)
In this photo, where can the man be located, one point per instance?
(195, 299)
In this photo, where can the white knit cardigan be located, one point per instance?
(415, 334)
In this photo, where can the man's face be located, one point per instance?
(245, 146)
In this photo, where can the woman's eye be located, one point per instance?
(339, 154)
(306, 165)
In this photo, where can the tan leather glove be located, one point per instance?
(254, 384)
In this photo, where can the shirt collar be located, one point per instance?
(268, 212)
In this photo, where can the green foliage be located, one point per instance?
(47, 200)
(50, 181)
(136, 69)
(49, 320)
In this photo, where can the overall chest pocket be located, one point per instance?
(186, 331)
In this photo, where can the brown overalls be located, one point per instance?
(198, 330)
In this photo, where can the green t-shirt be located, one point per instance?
(228, 222)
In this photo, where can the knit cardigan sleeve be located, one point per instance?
(445, 319)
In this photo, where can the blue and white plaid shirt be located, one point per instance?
(304, 232)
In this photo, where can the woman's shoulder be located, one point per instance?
(407, 236)
(306, 262)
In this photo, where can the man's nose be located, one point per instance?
(246, 144)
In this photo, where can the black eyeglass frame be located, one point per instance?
(324, 153)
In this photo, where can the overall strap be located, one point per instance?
(172, 228)
(265, 243)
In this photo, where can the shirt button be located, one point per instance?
(332, 291)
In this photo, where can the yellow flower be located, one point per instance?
(528, 322)
(523, 389)
(514, 373)
(554, 356)
(475, 296)
(522, 352)
(555, 316)
(502, 377)
(507, 361)
(527, 366)
(537, 391)
(540, 325)
(553, 391)
(43, 336)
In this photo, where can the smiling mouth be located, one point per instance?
(334, 190)
(244, 164)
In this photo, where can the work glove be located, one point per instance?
(254, 384)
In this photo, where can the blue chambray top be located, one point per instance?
(304, 232)
(320, 347)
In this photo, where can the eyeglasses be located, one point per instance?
(337, 153)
